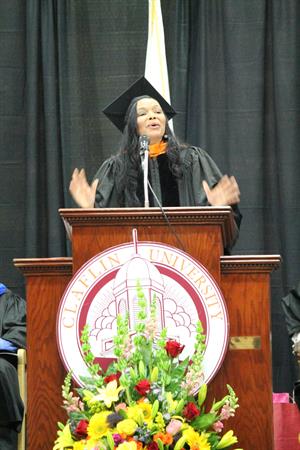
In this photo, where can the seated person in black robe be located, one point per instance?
(180, 174)
(12, 337)
(291, 308)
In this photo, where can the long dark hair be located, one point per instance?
(128, 164)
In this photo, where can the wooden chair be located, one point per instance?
(23, 392)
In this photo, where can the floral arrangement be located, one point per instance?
(148, 398)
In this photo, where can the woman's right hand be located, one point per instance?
(83, 193)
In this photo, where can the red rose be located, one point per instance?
(152, 446)
(81, 429)
(191, 411)
(143, 387)
(112, 377)
(173, 348)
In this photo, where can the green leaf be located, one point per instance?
(203, 422)
(180, 443)
(155, 408)
(122, 413)
(216, 406)
(110, 440)
(202, 394)
(142, 371)
(179, 406)
(154, 374)
(61, 426)
(160, 444)
(132, 373)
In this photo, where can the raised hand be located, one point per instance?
(82, 192)
(226, 192)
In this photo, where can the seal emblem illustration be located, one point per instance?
(105, 287)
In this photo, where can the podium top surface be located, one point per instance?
(221, 216)
(211, 214)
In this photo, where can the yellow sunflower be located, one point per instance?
(195, 440)
(146, 409)
(98, 425)
(127, 446)
(127, 426)
(135, 413)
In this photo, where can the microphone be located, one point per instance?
(144, 142)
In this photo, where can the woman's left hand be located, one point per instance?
(226, 192)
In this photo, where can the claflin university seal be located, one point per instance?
(105, 286)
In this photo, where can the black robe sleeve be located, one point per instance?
(106, 194)
(291, 307)
(13, 319)
(13, 329)
(198, 166)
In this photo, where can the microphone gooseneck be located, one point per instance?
(164, 213)
(144, 142)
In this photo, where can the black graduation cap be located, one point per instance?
(116, 111)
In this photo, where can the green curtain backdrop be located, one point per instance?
(234, 68)
(12, 138)
(235, 78)
(79, 55)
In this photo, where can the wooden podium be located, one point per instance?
(200, 232)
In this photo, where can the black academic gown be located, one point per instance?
(291, 308)
(196, 165)
(13, 329)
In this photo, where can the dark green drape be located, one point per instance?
(44, 146)
(12, 139)
(78, 55)
(234, 78)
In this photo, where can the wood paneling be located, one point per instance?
(202, 233)
(45, 283)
